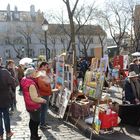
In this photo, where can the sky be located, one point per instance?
(24, 5)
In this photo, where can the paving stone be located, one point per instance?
(61, 130)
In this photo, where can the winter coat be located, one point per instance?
(6, 83)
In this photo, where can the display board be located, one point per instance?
(64, 82)
(66, 93)
(94, 88)
(64, 99)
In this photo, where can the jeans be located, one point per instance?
(4, 115)
(44, 109)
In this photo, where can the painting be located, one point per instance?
(103, 64)
(65, 96)
(59, 72)
(94, 64)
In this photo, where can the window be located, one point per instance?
(42, 51)
(7, 54)
(31, 52)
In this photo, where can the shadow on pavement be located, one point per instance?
(59, 128)
(116, 135)
(15, 117)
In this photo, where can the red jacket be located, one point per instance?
(30, 105)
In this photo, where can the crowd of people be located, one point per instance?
(36, 84)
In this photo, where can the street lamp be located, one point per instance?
(45, 28)
(22, 50)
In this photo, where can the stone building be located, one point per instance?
(21, 35)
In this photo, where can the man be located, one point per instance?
(6, 82)
(134, 66)
(43, 81)
(132, 88)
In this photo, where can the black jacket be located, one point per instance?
(6, 82)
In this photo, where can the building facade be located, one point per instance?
(21, 35)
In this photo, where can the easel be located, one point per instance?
(99, 89)
(96, 105)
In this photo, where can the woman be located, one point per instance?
(10, 66)
(32, 101)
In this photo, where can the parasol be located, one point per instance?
(136, 54)
(25, 61)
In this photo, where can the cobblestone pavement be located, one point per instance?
(61, 130)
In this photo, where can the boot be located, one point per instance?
(35, 137)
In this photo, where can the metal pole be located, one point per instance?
(46, 45)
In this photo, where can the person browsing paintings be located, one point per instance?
(32, 101)
(44, 83)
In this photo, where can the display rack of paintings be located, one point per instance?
(93, 82)
(66, 93)
(59, 80)
(94, 87)
(64, 82)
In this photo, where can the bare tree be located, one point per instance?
(26, 32)
(81, 16)
(14, 42)
(117, 19)
(131, 7)
(71, 12)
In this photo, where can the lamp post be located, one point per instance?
(45, 28)
(22, 50)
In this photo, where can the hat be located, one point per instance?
(29, 71)
(132, 74)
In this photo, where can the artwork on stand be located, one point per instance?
(59, 72)
(125, 61)
(100, 82)
(68, 76)
(66, 92)
(94, 89)
(94, 64)
(103, 64)
(118, 62)
(65, 96)
(88, 76)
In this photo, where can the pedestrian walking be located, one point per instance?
(32, 101)
(6, 82)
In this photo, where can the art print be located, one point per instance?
(103, 64)
(94, 64)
